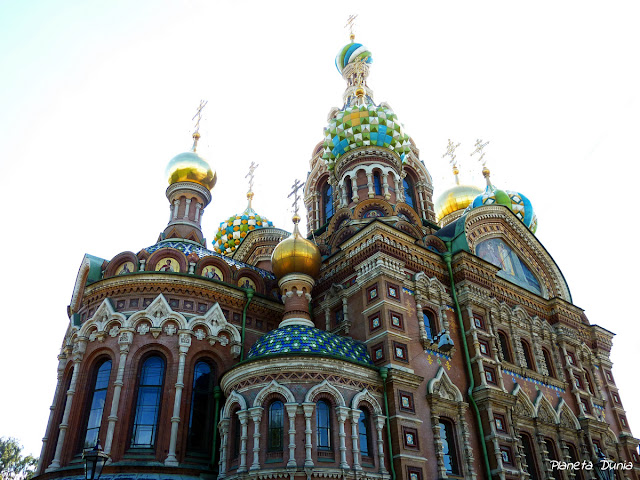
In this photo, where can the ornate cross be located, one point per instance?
(294, 191)
(252, 168)
(479, 146)
(203, 103)
(451, 152)
(350, 22)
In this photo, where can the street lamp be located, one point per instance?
(94, 461)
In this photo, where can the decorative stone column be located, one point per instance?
(176, 206)
(354, 187)
(243, 416)
(291, 411)
(295, 288)
(62, 363)
(380, 421)
(198, 207)
(78, 352)
(385, 186)
(308, 411)
(317, 210)
(466, 443)
(124, 342)
(256, 416)
(184, 344)
(421, 326)
(223, 426)
(435, 428)
(342, 413)
(355, 417)
(186, 209)
(371, 192)
(343, 191)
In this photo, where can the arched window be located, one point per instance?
(409, 196)
(547, 360)
(527, 355)
(276, 417)
(430, 324)
(323, 425)
(145, 423)
(349, 189)
(573, 456)
(364, 434)
(98, 398)
(529, 457)
(449, 454)
(377, 183)
(236, 436)
(504, 345)
(552, 455)
(327, 201)
(589, 382)
(202, 408)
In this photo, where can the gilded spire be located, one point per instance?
(485, 171)
(196, 129)
(451, 152)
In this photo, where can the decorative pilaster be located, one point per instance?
(124, 342)
(466, 441)
(291, 412)
(78, 353)
(385, 187)
(198, 208)
(355, 417)
(185, 343)
(342, 413)
(256, 416)
(223, 426)
(62, 363)
(308, 411)
(243, 416)
(371, 192)
(176, 206)
(354, 188)
(380, 421)
(186, 209)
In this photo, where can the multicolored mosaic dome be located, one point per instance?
(363, 125)
(310, 340)
(350, 53)
(231, 232)
(517, 202)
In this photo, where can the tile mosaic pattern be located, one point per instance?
(231, 232)
(518, 203)
(188, 248)
(363, 125)
(304, 339)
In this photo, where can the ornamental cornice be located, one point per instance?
(357, 154)
(189, 186)
(256, 238)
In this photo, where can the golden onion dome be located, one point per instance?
(190, 167)
(455, 198)
(296, 254)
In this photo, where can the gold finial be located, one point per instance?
(485, 171)
(451, 152)
(196, 129)
(294, 191)
(350, 22)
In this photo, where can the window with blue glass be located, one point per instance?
(364, 434)
(409, 194)
(147, 411)
(327, 201)
(276, 427)
(377, 183)
(449, 454)
(323, 425)
(430, 324)
(349, 189)
(202, 409)
(98, 398)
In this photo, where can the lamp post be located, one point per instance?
(94, 461)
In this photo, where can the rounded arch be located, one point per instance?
(372, 203)
(163, 253)
(257, 279)
(364, 396)
(273, 387)
(205, 262)
(121, 259)
(325, 387)
(234, 399)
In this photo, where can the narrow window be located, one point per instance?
(552, 455)
(589, 382)
(449, 455)
(363, 434)
(327, 199)
(528, 455)
(573, 457)
(504, 345)
(527, 355)
(274, 439)
(377, 184)
(237, 436)
(408, 192)
(547, 360)
(200, 419)
(349, 189)
(323, 424)
(145, 424)
(429, 324)
(98, 397)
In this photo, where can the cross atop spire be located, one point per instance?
(196, 128)
(479, 147)
(252, 169)
(451, 152)
(294, 191)
(350, 23)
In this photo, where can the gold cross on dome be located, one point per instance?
(451, 152)
(252, 168)
(294, 191)
(350, 23)
(479, 147)
(203, 103)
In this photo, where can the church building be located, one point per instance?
(404, 338)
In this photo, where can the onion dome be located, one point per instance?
(303, 339)
(191, 167)
(455, 199)
(516, 201)
(296, 254)
(363, 125)
(351, 53)
(232, 231)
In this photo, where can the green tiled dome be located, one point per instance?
(304, 339)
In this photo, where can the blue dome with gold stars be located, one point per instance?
(297, 339)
